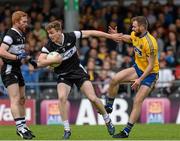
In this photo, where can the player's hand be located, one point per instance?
(117, 37)
(21, 56)
(136, 84)
(32, 62)
(112, 31)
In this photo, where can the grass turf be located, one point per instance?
(86, 132)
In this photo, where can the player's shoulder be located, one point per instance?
(10, 36)
(14, 34)
(69, 37)
(48, 44)
(150, 41)
(150, 38)
(132, 33)
(10, 32)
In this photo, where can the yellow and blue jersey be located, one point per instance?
(143, 47)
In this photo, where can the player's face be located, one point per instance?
(23, 24)
(136, 28)
(54, 35)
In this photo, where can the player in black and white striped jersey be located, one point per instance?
(70, 71)
(12, 51)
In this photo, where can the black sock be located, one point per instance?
(109, 101)
(128, 128)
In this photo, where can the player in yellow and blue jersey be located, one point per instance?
(144, 72)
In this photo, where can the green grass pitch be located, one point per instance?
(86, 132)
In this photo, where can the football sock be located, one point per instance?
(19, 124)
(109, 101)
(106, 118)
(128, 128)
(23, 121)
(66, 125)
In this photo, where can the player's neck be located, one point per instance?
(143, 34)
(61, 39)
(59, 42)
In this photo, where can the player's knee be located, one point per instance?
(22, 100)
(94, 99)
(114, 81)
(137, 101)
(62, 99)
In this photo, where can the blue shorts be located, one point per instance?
(150, 80)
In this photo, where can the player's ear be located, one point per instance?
(141, 27)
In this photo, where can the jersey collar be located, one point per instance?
(62, 39)
(62, 42)
(144, 34)
(16, 31)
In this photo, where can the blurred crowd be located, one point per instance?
(103, 58)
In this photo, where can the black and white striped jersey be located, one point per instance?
(68, 51)
(16, 42)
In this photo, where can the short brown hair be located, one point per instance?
(141, 20)
(17, 15)
(55, 24)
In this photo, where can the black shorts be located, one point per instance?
(12, 77)
(77, 77)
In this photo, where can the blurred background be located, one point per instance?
(101, 57)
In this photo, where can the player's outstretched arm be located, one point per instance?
(96, 33)
(126, 38)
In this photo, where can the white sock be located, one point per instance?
(66, 125)
(24, 122)
(19, 124)
(106, 118)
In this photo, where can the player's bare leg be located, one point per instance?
(17, 110)
(87, 85)
(63, 92)
(22, 108)
(125, 75)
(14, 96)
(137, 104)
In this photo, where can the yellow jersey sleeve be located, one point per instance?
(132, 35)
(151, 48)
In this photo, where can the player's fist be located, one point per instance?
(21, 56)
(32, 62)
(112, 30)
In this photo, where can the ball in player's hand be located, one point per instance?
(54, 57)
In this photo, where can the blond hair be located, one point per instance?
(55, 24)
(141, 20)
